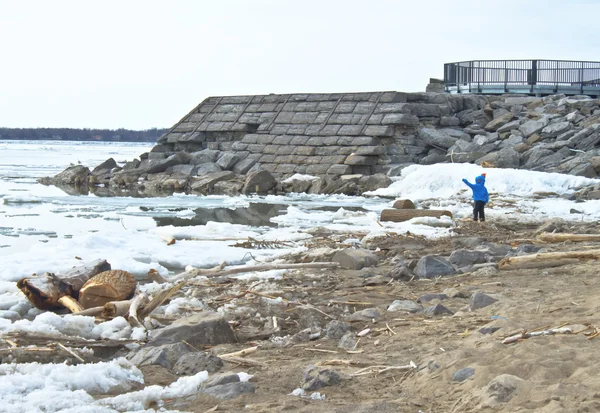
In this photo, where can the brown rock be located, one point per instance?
(404, 204)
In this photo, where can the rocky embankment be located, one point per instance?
(550, 134)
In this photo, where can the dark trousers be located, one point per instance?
(478, 211)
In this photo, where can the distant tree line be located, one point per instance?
(67, 134)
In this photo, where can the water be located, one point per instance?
(41, 226)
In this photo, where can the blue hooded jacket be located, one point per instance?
(480, 192)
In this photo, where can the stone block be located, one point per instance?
(350, 130)
(392, 108)
(250, 138)
(333, 159)
(313, 130)
(358, 141)
(284, 149)
(339, 169)
(285, 117)
(166, 355)
(296, 130)
(370, 150)
(270, 149)
(307, 107)
(305, 150)
(360, 160)
(269, 158)
(326, 106)
(376, 130)
(316, 141)
(431, 266)
(256, 148)
(227, 160)
(285, 168)
(282, 140)
(400, 119)
(239, 146)
(329, 130)
(259, 182)
(327, 150)
(299, 140)
(317, 169)
(345, 107)
(304, 117)
(364, 107)
(243, 166)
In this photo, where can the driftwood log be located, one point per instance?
(52, 291)
(547, 260)
(401, 215)
(113, 285)
(558, 237)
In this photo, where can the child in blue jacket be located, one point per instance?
(480, 196)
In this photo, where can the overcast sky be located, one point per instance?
(143, 64)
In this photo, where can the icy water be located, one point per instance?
(43, 228)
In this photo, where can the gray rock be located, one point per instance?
(229, 391)
(377, 181)
(430, 266)
(220, 379)
(204, 184)
(242, 167)
(178, 158)
(504, 387)
(436, 137)
(437, 309)
(466, 258)
(457, 133)
(555, 129)
(463, 374)
(552, 225)
(207, 168)
(499, 121)
(198, 330)
(368, 314)
(315, 378)
(231, 188)
(488, 330)
(297, 185)
(336, 329)
(480, 300)
(536, 156)
(585, 169)
(405, 305)
(181, 170)
(258, 182)
(430, 297)
(355, 259)
(164, 355)
(495, 250)
(204, 156)
(508, 158)
(509, 126)
(105, 167)
(468, 242)
(348, 341)
(533, 126)
(433, 159)
(401, 272)
(227, 160)
(525, 249)
(73, 175)
(192, 363)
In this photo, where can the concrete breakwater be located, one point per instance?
(353, 142)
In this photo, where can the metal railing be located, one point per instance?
(533, 73)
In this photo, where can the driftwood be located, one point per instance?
(113, 285)
(157, 300)
(219, 271)
(524, 335)
(139, 301)
(401, 215)
(558, 237)
(45, 291)
(25, 339)
(404, 204)
(115, 309)
(546, 260)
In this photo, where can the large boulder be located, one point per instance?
(436, 137)
(499, 122)
(466, 258)
(258, 182)
(555, 129)
(204, 156)
(431, 266)
(105, 167)
(242, 167)
(227, 160)
(73, 175)
(197, 330)
(533, 126)
(178, 158)
(206, 183)
(355, 259)
(166, 355)
(377, 181)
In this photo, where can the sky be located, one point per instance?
(143, 64)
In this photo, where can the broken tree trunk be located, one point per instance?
(546, 260)
(45, 291)
(219, 271)
(550, 237)
(401, 215)
(114, 285)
